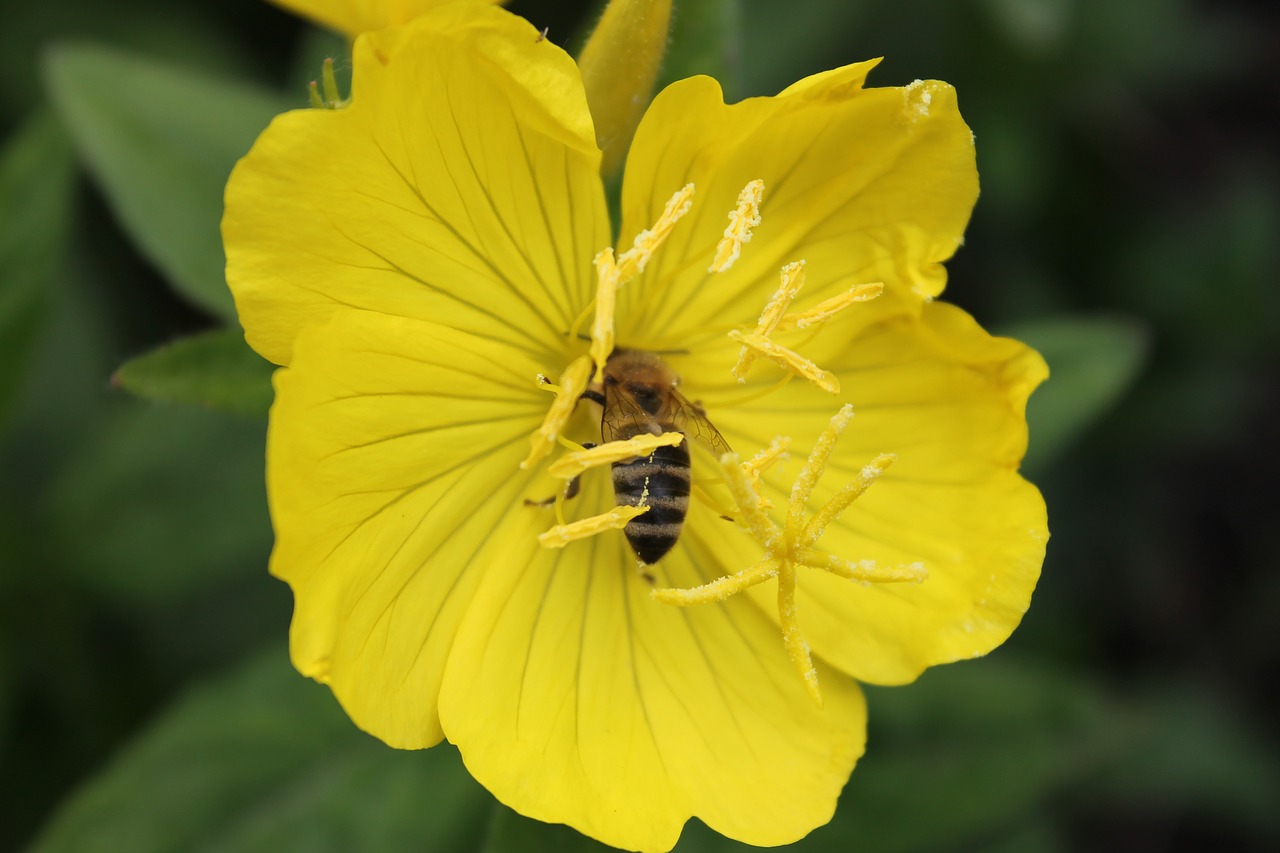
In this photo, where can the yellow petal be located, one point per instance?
(862, 184)
(576, 698)
(460, 186)
(393, 455)
(353, 17)
(949, 401)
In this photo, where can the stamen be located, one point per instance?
(741, 220)
(608, 280)
(612, 273)
(573, 464)
(633, 260)
(786, 358)
(792, 280)
(615, 519)
(789, 547)
(776, 318)
(828, 308)
(572, 383)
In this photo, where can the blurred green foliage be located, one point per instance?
(1128, 228)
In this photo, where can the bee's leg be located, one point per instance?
(592, 395)
(569, 492)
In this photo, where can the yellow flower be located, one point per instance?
(417, 259)
(352, 17)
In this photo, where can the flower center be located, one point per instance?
(786, 547)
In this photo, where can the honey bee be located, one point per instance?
(639, 396)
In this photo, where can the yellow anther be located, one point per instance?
(608, 280)
(767, 458)
(828, 308)
(572, 464)
(612, 273)
(741, 220)
(792, 280)
(572, 383)
(791, 360)
(615, 519)
(790, 546)
(633, 260)
(776, 318)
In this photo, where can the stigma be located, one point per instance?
(793, 544)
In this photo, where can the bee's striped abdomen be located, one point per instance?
(661, 482)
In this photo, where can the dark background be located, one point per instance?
(1129, 225)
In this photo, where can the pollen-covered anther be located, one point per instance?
(613, 272)
(615, 519)
(776, 318)
(789, 546)
(608, 280)
(633, 261)
(828, 308)
(792, 280)
(788, 359)
(742, 219)
(575, 462)
(572, 383)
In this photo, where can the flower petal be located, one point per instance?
(949, 400)
(866, 185)
(393, 456)
(353, 17)
(460, 186)
(574, 697)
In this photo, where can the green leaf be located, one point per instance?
(263, 759)
(978, 747)
(509, 832)
(1189, 750)
(161, 141)
(1092, 362)
(706, 38)
(36, 172)
(214, 369)
(160, 502)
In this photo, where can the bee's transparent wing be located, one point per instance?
(691, 419)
